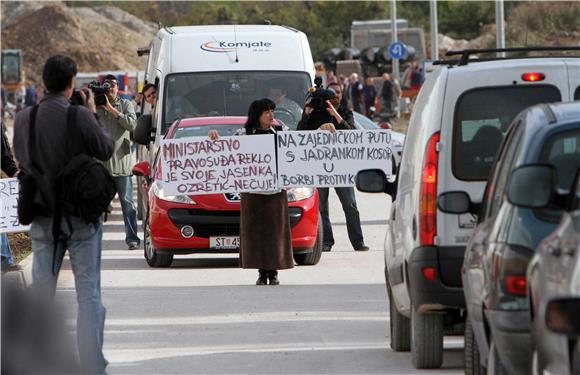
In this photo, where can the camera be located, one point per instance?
(318, 102)
(100, 91)
(76, 98)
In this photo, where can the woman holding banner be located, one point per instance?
(265, 237)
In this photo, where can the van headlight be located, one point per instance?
(158, 191)
(299, 194)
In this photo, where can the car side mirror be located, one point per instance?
(142, 169)
(454, 202)
(142, 132)
(562, 316)
(532, 186)
(375, 181)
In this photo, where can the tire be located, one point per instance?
(310, 259)
(154, 259)
(426, 340)
(494, 365)
(400, 328)
(471, 352)
(139, 199)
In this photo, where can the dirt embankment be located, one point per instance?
(98, 39)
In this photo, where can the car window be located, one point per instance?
(201, 131)
(482, 118)
(504, 167)
(563, 152)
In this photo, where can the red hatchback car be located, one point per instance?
(211, 223)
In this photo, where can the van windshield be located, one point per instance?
(230, 94)
(482, 118)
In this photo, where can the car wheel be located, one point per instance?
(310, 259)
(471, 352)
(426, 339)
(139, 199)
(494, 365)
(154, 259)
(400, 327)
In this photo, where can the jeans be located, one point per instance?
(348, 201)
(125, 192)
(84, 246)
(6, 252)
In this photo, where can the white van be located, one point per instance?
(220, 70)
(460, 118)
(216, 70)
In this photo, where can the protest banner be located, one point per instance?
(8, 209)
(325, 159)
(198, 165)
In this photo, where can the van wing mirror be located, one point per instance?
(142, 132)
(532, 186)
(562, 316)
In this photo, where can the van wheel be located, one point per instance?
(494, 365)
(426, 339)
(310, 259)
(471, 352)
(400, 327)
(154, 259)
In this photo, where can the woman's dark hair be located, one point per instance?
(58, 72)
(256, 109)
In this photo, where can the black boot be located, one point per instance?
(263, 278)
(273, 277)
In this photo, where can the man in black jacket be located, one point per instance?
(342, 119)
(52, 151)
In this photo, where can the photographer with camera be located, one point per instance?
(119, 119)
(323, 111)
(43, 146)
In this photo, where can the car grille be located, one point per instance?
(217, 223)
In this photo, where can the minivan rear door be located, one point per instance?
(481, 101)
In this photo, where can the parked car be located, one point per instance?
(554, 291)
(210, 223)
(460, 118)
(542, 146)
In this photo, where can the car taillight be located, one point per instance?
(533, 77)
(428, 197)
(516, 285)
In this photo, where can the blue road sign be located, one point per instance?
(397, 50)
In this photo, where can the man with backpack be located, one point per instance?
(119, 118)
(47, 137)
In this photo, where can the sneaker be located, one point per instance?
(133, 245)
(326, 247)
(362, 247)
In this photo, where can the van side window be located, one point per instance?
(482, 118)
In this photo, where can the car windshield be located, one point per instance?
(230, 94)
(482, 118)
(201, 131)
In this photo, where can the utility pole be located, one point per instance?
(500, 32)
(394, 62)
(434, 31)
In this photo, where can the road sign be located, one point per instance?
(397, 50)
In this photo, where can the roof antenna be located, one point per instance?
(236, 43)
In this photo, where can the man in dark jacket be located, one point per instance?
(341, 119)
(83, 240)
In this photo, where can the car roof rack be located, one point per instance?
(466, 53)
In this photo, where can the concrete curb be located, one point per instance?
(22, 278)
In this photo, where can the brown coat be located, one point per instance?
(265, 236)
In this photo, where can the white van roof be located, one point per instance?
(236, 47)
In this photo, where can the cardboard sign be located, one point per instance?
(8, 209)
(325, 159)
(198, 165)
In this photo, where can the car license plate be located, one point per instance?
(224, 242)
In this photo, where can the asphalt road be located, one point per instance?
(205, 316)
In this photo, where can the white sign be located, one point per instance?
(198, 165)
(325, 159)
(8, 209)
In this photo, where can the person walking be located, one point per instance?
(265, 235)
(119, 119)
(387, 95)
(83, 240)
(369, 94)
(356, 89)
